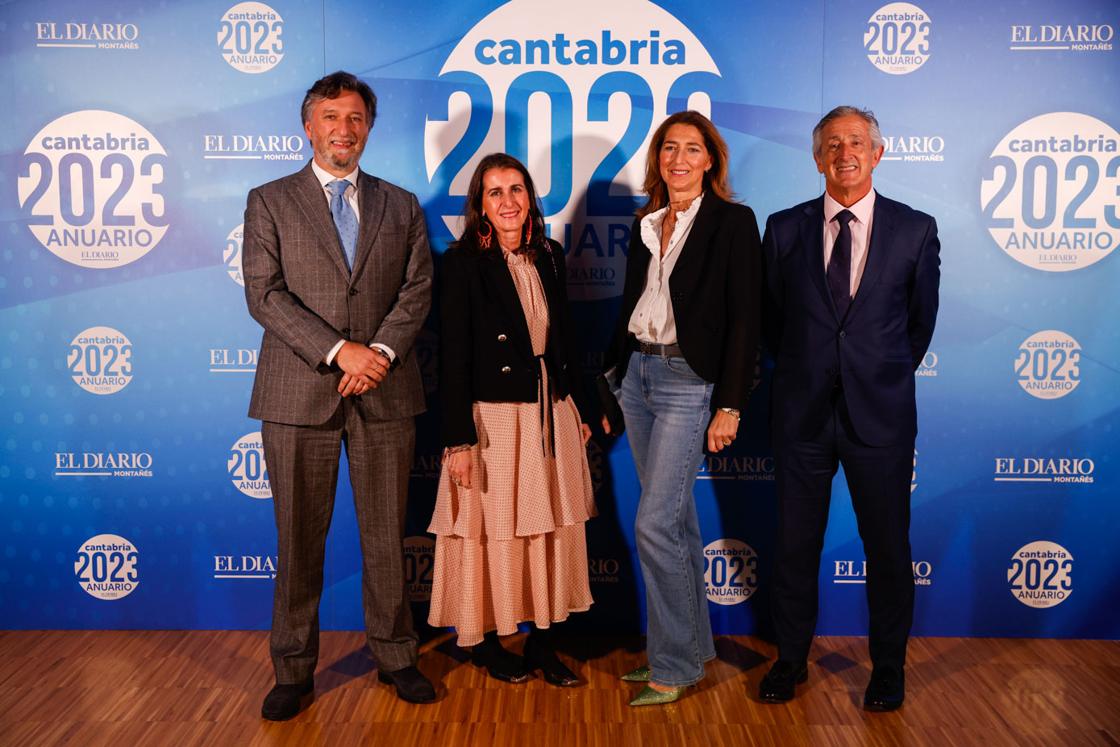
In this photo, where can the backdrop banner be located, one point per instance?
(133, 487)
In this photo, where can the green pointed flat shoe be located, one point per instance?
(641, 674)
(649, 696)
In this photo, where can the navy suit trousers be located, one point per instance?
(879, 479)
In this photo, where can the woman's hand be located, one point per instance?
(721, 431)
(585, 431)
(459, 467)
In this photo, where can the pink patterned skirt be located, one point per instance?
(512, 548)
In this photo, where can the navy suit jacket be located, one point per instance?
(873, 351)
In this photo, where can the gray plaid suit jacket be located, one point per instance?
(298, 288)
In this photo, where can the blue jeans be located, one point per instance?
(665, 405)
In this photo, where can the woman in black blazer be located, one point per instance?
(682, 364)
(515, 489)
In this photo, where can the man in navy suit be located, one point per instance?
(851, 298)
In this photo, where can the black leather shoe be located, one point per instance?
(285, 701)
(500, 664)
(779, 683)
(411, 685)
(886, 691)
(539, 654)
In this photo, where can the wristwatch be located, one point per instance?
(730, 411)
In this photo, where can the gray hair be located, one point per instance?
(866, 115)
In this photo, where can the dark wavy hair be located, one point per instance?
(715, 178)
(332, 86)
(474, 221)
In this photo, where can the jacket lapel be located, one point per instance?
(882, 226)
(699, 238)
(500, 281)
(812, 240)
(312, 203)
(371, 205)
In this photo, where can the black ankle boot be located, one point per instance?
(541, 654)
(500, 664)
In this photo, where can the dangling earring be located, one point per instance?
(528, 231)
(485, 239)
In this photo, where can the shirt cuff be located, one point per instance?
(334, 351)
(388, 351)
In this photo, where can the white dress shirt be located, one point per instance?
(351, 196)
(325, 178)
(653, 320)
(864, 211)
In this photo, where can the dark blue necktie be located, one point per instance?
(840, 265)
(344, 219)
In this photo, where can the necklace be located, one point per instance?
(678, 206)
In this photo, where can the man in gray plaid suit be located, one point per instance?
(338, 271)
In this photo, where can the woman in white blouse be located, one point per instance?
(682, 364)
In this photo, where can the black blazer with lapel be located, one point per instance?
(873, 351)
(715, 291)
(485, 351)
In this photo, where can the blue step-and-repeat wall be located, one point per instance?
(133, 489)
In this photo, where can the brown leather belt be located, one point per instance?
(653, 348)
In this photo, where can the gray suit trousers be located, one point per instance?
(303, 470)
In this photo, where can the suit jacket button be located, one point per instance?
(353, 291)
(501, 338)
(345, 330)
(506, 369)
(843, 334)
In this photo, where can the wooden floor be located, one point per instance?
(135, 689)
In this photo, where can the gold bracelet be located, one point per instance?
(730, 411)
(454, 450)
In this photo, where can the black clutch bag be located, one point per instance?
(609, 405)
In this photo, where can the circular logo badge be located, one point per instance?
(1041, 574)
(231, 255)
(419, 561)
(100, 360)
(1048, 364)
(897, 38)
(247, 468)
(250, 37)
(730, 571)
(106, 567)
(91, 187)
(1049, 192)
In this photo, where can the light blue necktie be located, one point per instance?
(345, 222)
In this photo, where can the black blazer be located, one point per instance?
(715, 290)
(873, 350)
(485, 351)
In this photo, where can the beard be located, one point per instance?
(347, 162)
